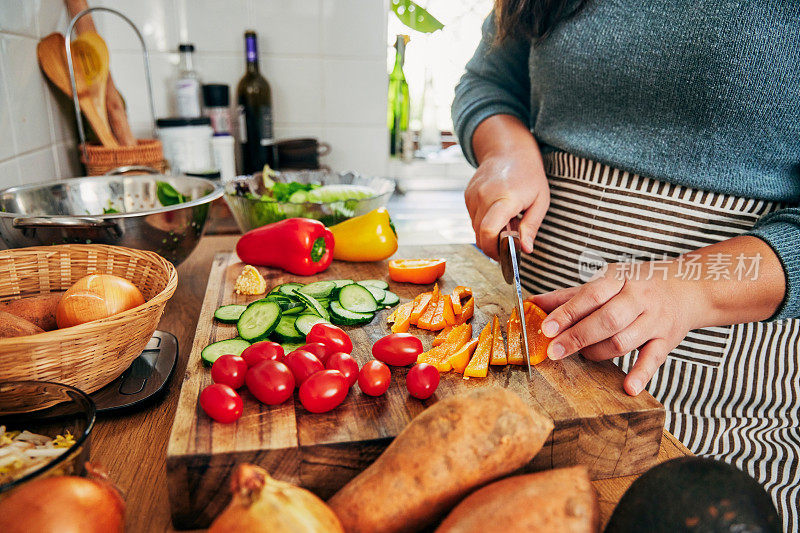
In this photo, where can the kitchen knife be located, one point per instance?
(508, 247)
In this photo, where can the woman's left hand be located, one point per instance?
(617, 313)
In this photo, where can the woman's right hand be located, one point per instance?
(510, 180)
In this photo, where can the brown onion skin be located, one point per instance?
(262, 504)
(94, 297)
(63, 504)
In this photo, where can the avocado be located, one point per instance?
(694, 494)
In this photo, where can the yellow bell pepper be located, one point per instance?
(369, 237)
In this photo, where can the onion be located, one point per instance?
(262, 504)
(64, 504)
(94, 297)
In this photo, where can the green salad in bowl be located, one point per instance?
(323, 195)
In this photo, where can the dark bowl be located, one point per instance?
(49, 409)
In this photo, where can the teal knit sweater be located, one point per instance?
(704, 94)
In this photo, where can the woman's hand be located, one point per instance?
(510, 180)
(616, 314)
(653, 306)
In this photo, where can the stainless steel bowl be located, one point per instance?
(120, 210)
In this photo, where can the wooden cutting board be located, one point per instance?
(596, 423)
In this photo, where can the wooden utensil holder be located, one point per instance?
(100, 159)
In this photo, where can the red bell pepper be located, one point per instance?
(301, 246)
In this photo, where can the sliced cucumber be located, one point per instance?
(229, 314)
(343, 317)
(289, 347)
(216, 349)
(289, 288)
(375, 283)
(259, 320)
(306, 322)
(293, 308)
(358, 299)
(313, 304)
(390, 300)
(378, 294)
(286, 331)
(342, 282)
(318, 289)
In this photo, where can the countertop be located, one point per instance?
(133, 446)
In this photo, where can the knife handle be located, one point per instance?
(511, 232)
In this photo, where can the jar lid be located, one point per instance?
(178, 122)
(216, 95)
(186, 47)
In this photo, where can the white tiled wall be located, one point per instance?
(325, 61)
(37, 142)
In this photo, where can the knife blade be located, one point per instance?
(508, 247)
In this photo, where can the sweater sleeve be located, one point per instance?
(496, 82)
(781, 231)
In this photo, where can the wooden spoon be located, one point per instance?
(89, 80)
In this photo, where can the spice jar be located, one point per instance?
(187, 143)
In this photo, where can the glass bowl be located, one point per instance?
(243, 196)
(49, 409)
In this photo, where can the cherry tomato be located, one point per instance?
(397, 349)
(323, 391)
(303, 364)
(374, 378)
(422, 381)
(262, 351)
(271, 382)
(230, 370)
(334, 339)
(221, 403)
(317, 349)
(344, 363)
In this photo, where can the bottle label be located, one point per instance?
(242, 120)
(187, 97)
(264, 116)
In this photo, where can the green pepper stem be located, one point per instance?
(318, 249)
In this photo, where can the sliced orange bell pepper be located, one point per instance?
(514, 328)
(429, 317)
(537, 341)
(402, 317)
(478, 366)
(420, 271)
(498, 356)
(442, 336)
(458, 294)
(467, 310)
(455, 340)
(448, 314)
(420, 305)
(460, 357)
(438, 321)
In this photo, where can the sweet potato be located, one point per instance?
(451, 448)
(554, 501)
(14, 326)
(39, 310)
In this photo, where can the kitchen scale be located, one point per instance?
(143, 381)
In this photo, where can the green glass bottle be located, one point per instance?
(399, 106)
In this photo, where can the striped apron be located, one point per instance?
(730, 392)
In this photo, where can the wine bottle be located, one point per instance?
(255, 113)
(399, 106)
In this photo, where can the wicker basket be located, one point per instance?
(100, 159)
(91, 355)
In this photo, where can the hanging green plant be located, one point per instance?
(415, 17)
